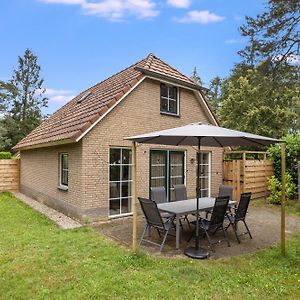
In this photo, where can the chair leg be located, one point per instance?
(247, 229)
(225, 236)
(164, 239)
(234, 227)
(143, 234)
(209, 241)
(158, 232)
(188, 221)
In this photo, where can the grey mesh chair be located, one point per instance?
(181, 194)
(159, 195)
(154, 220)
(216, 222)
(239, 216)
(225, 190)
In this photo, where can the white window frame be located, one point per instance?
(209, 172)
(63, 186)
(169, 99)
(129, 181)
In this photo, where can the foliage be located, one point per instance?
(275, 188)
(22, 98)
(254, 100)
(214, 94)
(273, 33)
(5, 155)
(196, 77)
(40, 261)
(292, 150)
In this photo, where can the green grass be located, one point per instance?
(40, 261)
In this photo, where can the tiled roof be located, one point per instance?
(71, 121)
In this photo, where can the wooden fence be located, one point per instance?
(9, 175)
(248, 176)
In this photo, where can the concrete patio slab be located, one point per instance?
(264, 224)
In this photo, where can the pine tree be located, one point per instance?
(23, 106)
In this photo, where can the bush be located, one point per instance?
(275, 188)
(292, 150)
(5, 155)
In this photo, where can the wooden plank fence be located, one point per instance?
(9, 175)
(248, 176)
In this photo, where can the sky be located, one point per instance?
(82, 42)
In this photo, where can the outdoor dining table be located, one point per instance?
(186, 207)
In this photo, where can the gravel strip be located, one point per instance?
(60, 219)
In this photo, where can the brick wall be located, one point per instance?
(140, 113)
(88, 160)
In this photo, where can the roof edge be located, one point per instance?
(44, 145)
(170, 78)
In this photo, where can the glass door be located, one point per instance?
(166, 170)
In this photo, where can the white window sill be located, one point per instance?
(62, 188)
(169, 114)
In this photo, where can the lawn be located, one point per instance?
(40, 261)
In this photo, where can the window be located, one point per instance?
(205, 173)
(167, 168)
(64, 169)
(169, 99)
(120, 181)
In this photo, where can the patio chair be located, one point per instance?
(224, 190)
(159, 195)
(240, 215)
(181, 194)
(154, 220)
(216, 222)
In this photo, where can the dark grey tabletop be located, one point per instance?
(188, 206)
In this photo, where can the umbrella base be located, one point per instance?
(199, 253)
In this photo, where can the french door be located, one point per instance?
(167, 168)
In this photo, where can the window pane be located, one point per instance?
(126, 189)
(114, 190)
(173, 93)
(114, 207)
(64, 177)
(163, 104)
(126, 156)
(115, 156)
(126, 173)
(163, 90)
(65, 161)
(173, 106)
(114, 173)
(126, 205)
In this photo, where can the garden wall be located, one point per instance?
(9, 175)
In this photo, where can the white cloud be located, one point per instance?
(114, 10)
(200, 16)
(59, 96)
(292, 59)
(235, 41)
(180, 3)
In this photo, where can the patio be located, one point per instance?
(264, 224)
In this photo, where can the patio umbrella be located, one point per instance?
(199, 134)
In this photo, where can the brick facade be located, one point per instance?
(88, 191)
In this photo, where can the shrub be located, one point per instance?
(275, 188)
(292, 150)
(5, 155)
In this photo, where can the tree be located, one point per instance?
(274, 33)
(214, 93)
(23, 106)
(195, 76)
(254, 100)
(7, 90)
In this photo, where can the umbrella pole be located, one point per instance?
(197, 252)
(283, 199)
(134, 193)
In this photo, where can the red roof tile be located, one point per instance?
(73, 119)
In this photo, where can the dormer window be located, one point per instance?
(169, 99)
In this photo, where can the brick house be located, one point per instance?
(78, 162)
